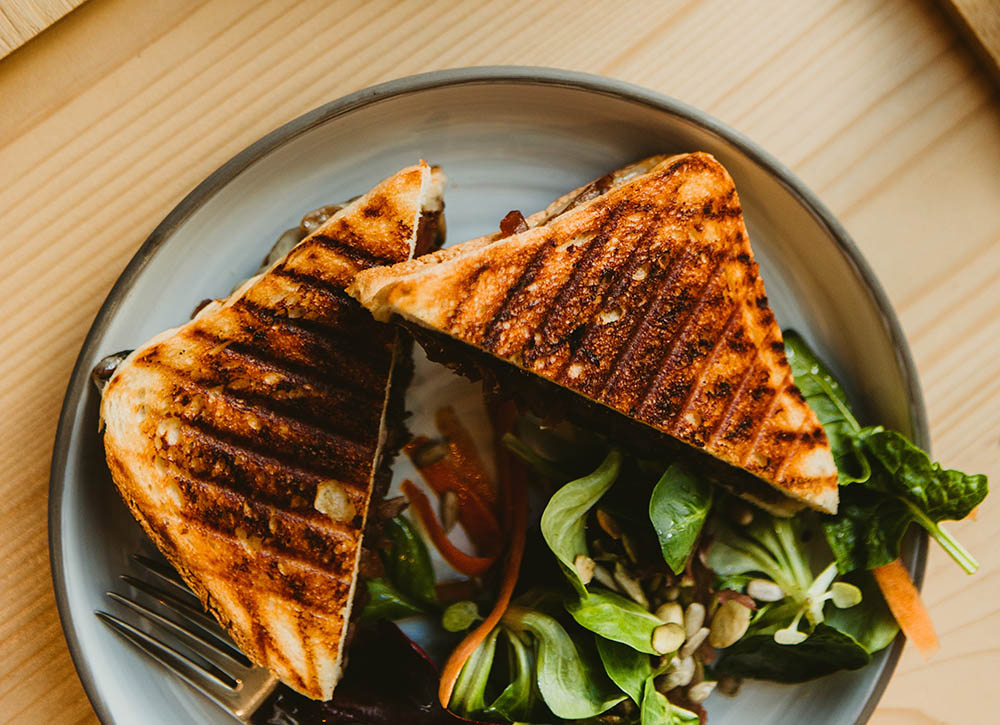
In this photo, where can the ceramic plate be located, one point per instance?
(508, 138)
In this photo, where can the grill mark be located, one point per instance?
(331, 465)
(491, 335)
(792, 454)
(299, 372)
(298, 588)
(601, 379)
(263, 408)
(468, 283)
(362, 258)
(265, 506)
(672, 347)
(332, 556)
(322, 412)
(308, 648)
(640, 325)
(731, 404)
(562, 299)
(334, 292)
(336, 312)
(359, 365)
(706, 363)
(754, 438)
(311, 331)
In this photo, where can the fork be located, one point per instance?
(217, 668)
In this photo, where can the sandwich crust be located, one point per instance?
(645, 298)
(245, 442)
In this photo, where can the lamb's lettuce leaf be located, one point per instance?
(678, 508)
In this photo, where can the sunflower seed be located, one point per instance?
(694, 618)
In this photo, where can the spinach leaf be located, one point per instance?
(407, 562)
(385, 602)
(565, 517)
(905, 485)
(469, 695)
(627, 668)
(826, 650)
(570, 682)
(901, 483)
(519, 699)
(658, 710)
(867, 529)
(930, 491)
(827, 399)
(677, 508)
(869, 623)
(616, 618)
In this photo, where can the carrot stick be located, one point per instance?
(475, 515)
(518, 503)
(906, 606)
(458, 559)
(464, 455)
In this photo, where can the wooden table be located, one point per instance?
(111, 116)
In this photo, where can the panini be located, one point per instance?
(245, 442)
(641, 294)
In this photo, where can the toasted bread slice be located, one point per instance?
(645, 298)
(245, 441)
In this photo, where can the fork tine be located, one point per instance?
(190, 671)
(241, 698)
(164, 571)
(171, 601)
(207, 647)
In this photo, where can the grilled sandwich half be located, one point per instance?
(640, 294)
(245, 442)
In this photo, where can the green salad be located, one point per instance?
(643, 588)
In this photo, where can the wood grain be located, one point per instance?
(114, 114)
(22, 20)
(979, 21)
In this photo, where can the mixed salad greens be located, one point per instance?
(643, 588)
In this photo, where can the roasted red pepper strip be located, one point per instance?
(458, 559)
(464, 455)
(475, 515)
(517, 500)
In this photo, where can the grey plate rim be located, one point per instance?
(534, 75)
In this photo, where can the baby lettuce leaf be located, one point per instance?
(571, 683)
(519, 699)
(614, 617)
(627, 668)
(407, 562)
(827, 399)
(658, 710)
(386, 602)
(759, 656)
(469, 695)
(869, 623)
(565, 517)
(678, 508)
